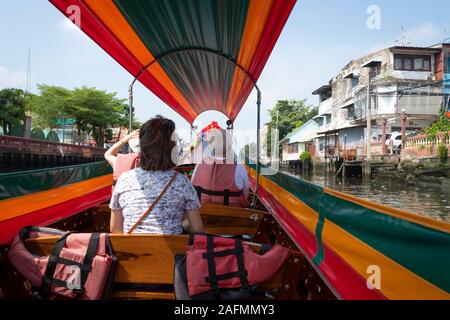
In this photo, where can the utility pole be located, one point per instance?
(403, 128)
(369, 118)
(383, 135)
(63, 129)
(28, 89)
(130, 109)
(27, 118)
(278, 113)
(367, 168)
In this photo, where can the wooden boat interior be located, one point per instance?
(146, 262)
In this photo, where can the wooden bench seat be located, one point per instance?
(146, 261)
(218, 219)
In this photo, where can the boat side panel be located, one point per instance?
(399, 282)
(48, 215)
(21, 183)
(44, 196)
(347, 283)
(19, 206)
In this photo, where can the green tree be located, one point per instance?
(49, 106)
(95, 111)
(442, 124)
(12, 108)
(291, 115)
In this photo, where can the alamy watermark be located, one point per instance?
(374, 19)
(74, 14)
(374, 278)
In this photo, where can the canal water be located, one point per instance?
(431, 199)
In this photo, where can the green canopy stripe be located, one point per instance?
(21, 183)
(218, 25)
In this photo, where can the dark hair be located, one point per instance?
(156, 144)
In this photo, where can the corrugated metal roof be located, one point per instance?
(416, 48)
(307, 137)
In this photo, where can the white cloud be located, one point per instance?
(424, 34)
(12, 79)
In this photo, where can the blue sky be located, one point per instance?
(318, 40)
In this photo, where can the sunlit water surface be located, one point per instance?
(431, 199)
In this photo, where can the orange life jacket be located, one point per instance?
(215, 184)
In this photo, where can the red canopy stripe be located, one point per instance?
(278, 16)
(97, 31)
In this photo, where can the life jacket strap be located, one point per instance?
(213, 278)
(48, 279)
(226, 194)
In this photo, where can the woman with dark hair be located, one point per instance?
(154, 198)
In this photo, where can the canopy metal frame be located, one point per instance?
(228, 58)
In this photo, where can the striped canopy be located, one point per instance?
(196, 44)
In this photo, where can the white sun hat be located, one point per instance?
(134, 145)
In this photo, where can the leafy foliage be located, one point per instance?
(442, 124)
(443, 152)
(305, 157)
(12, 108)
(291, 115)
(94, 111)
(52, 104)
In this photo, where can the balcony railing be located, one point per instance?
(425, 140)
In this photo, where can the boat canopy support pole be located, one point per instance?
(230, 59)
(258, 147)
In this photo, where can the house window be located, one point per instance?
(293, 148)
(412, 62)
(398, 63)
(374, 71)
(321, 147)
(350, 112)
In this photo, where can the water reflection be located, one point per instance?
(427, 198)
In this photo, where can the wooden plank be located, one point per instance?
(143, 295)
(209, 209)
(217, 219)
(230, 231)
